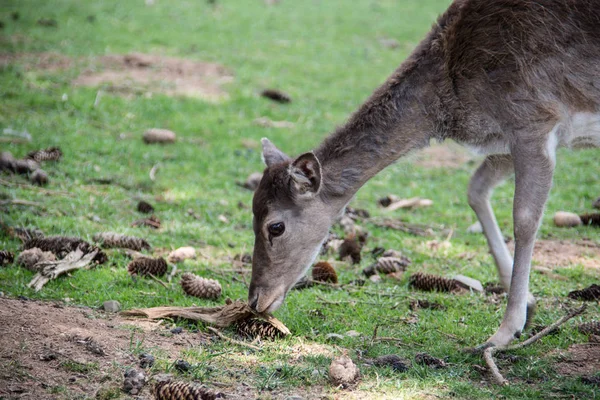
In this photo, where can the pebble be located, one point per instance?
(182, 366)
(177, 331)
(156, 135)
(566, 219)
(112, 306)
(146, 360)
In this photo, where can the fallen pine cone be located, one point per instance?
(350, 248)
(39, 177)
(342, 371)
(324, 272)
(430, 361)
(49, 154)
(152, 222)
(590, 293)
(7, 161)
(60, 246)
(430, 283)
(156, 135)
(145, 207)
(590, 219)
(30, 257)
(6, 257)
(392, 360)
(200, 287)
(387, 265)
(25, 166)
(276, 95)
(590, 328)
(147, 266)
(387, 200)
(169, 390)
(425, 305)
(252, 328)
(252, 181)
(116, 240)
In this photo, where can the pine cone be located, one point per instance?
(393, 361)
(430, 361)
(6, 257)
(590, 293)
(324, 272)
(25, 166)
(30, 257)
(351, 248)
(387, 265)
(169, 390)
(111, 239)
(590, 328)
(145, 207)
(39, 177)
(276, 95)
(60, 246)
(430, 283)
(200, 287)
(147, 266)
(49, 154)
(255, 327)
(590, 219)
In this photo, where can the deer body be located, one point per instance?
(513, 79)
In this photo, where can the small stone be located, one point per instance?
(468, 283)
(146, 360)
(177, 331)
(182, 366)
(475, 228)
(111, 306)
(180, 254)
(156, 135)
(566, 219)
(375, 278)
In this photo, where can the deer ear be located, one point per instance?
(271, 154)
(305, 172)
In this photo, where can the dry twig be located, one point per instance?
(488, 354)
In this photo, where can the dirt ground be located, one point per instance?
(562, 253)
(135, 74)
(49, 351)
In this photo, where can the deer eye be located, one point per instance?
(276, 229)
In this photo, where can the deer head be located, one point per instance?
(291, 221)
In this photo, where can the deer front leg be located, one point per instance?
(534, 167)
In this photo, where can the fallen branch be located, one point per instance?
(36, 188)
(239, 343)
(53, 269)
(19, 202)
(159, 281)
(488, 354)
(220, 316)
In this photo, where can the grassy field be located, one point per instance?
(328, 56)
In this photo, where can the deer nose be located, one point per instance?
(253, 303)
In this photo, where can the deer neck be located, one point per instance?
(396, 120)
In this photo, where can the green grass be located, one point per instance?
(328, 57)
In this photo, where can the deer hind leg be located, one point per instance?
(493, 171)
(534, 168)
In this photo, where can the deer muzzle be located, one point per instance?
(263, 299)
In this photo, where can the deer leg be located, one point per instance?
(494, 170)
(534, 167)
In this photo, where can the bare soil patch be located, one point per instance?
(135, 73)
(445, 155)
(579, 360)
(564, 253)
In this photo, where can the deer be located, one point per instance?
(511, 79)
